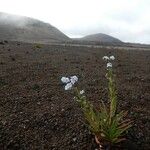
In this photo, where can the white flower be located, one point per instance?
(109, 65)
(105, 58)
(68, 86)
(69, 81)
(82, 92)
(73, 79)
(112, 58)
(65, 80)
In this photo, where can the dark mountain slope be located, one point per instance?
(100, 38)
(19, 28)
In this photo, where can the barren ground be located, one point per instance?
(37, 114)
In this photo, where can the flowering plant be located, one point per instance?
(107, 124)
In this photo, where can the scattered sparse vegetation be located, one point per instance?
(5, 41)
(36, 87)
(38, 46)
(2, 82)
(2, 63)
(2, 43)
(12, 58)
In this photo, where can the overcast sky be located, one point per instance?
(127, 20)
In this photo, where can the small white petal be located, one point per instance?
(65, 80)
(72, 81)
(109, 65)
(68, 86)
(105, 58)
(112, 58)
(75, 78)
(82, 92)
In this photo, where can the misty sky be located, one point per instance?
(128, 20)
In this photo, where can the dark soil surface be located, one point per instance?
(36, 113)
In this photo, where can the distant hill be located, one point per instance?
(100, 37)
(19, 28)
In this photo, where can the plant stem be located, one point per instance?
(112, 95)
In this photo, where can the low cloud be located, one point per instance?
(127, 20)
(15, 19)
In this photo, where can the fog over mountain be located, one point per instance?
(128, 20)
(19, 28)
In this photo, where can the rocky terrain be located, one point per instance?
(36, 112)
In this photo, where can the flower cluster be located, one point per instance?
(69, 81)
(108, 59)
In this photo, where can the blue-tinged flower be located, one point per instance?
(112, 58)
(75, 78)
(109, 65)
(65, 80)
(105, 58)
(72, 81)
(68, 86)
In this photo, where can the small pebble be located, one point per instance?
(74, 139)
(39, 103)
